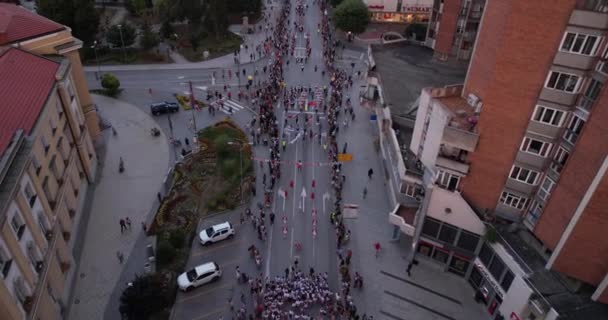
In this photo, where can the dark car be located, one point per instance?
(163, 107)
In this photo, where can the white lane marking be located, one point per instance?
(228, 104)
(314, 257)
(293, 211)
(181, 77)
(203, 88)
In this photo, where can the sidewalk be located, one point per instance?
(117, 196)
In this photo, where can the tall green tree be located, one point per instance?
(351, 15)
(146, 296)
(335, 3)
(148, 39)
(217, 17)
(80, 15)
(114, 37)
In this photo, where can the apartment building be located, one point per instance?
(24, 29)
(453, 28)
(47, 160)
(521, 147)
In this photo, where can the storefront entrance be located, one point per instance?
(449, 259)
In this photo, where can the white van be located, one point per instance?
(216, 233)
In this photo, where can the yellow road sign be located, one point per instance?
(343, 157)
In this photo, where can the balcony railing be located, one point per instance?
(593, 5)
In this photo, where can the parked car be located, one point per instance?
(199, 276)
(163, 107)
(216, 233)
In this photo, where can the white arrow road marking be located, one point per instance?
(303, 195)
(325, 197)
(181, 77)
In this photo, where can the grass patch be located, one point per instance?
(226, 44)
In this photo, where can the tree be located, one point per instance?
(194, 41)
(351, 15)
(166, 29)
(110, 83)
(148, 39)
(79, 15)
(113, 36)
(217, 17)
(145, 296)
(416, 29)
(335, 3)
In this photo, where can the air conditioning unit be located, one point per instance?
(472, 100)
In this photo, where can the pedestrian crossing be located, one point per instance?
(228, 106)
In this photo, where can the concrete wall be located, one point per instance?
(516, 299)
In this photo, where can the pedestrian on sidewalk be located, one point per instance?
(160, 197)
(238, 273)
(271, 218)
(123, 225)
(120, 256)
(143, 227)
(364, 192)
(344, 148)
(128, 222)
(409, 269)
(370, 173)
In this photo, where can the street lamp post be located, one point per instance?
(238, 74)
(241, 160)
(98, 73)
(124, 54)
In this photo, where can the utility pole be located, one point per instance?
(124, 53)
(192, 104)
(98, 73)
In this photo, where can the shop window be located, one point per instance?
(486, 254)
(440, 256)
(507, 280)
(475, 279)
(431, 227)
(497, 267)
(468, 241)
(448, 233)
(425, 249)
(459, 266)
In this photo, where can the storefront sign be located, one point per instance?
(376, 7)
(416, 9)
(489, 279)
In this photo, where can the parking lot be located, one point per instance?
(210, 301)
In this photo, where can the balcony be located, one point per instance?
(462, 139)
(586, 17)
(404, 218)
(452, 163)
(476, 15)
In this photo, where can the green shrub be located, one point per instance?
(177, 238)
(111, 84)
(165, 253)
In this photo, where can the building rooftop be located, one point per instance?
(550, 285)
(19, 24)
(25, 85)
(463, 115)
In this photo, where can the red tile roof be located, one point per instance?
(18, 23)
(25, 85)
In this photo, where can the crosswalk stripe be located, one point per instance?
(235, 107)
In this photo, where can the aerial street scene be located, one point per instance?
(303, 159)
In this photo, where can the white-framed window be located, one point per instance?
(410, 190)
(574, 129)
(537, 147)
(563, 81)
(545, 188)
(448, 180)
(515, 201)
(536, 210)
(524, 175)
(580, 43)
(602, 65)
(6, 261)
(18, 225)
(559, 160)
(590, 95)
(549, 116)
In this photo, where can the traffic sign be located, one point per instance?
(344, 157)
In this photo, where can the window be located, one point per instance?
(36, 164)
(559, 160)
(29, 194)
(448, 180)
(486, 254)
(574, 129)
(497, 267)
(410, 190)
(5, 262)
(515, 201)
(591, 93)
(18, 225)
(44, 144)
(431, 227)
(602, 65)
(507, 280)
(579, 43)
(548, 116)
(536, 147)
(448, 233)
(545, 188)
(524, 175)
(563, 81)
(536, 210)
(468, 241)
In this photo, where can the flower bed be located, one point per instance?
(184, 102)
